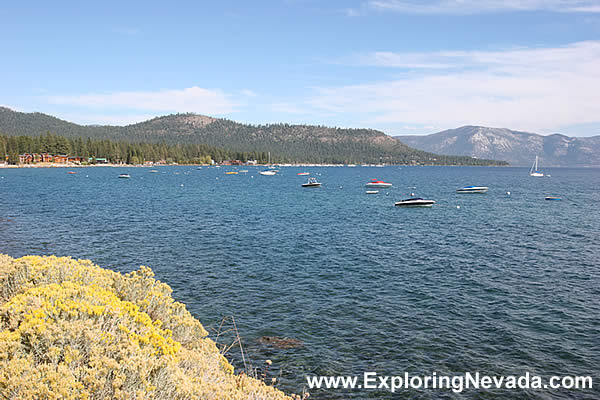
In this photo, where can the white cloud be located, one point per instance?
(351, 12)
(193, 99)
(288, 108)
(482, 6)
(249, 93)
(530, 89)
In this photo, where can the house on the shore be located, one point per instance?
(33, 158)
(25, 158)
(97, 160)
(75, 159)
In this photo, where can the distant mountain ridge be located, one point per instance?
(287, 143)
(518, 148)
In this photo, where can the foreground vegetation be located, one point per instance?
(72, 330)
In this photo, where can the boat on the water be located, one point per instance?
(372, 191)
(554, 198)
(415, 202)
(125, 176)
(312, 182)
(153, 171)
(534, 169)
(378, 184)
(303, 173)
(231, 173)
(472, 189)
(71, 172)
(268, 172)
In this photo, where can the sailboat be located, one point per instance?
(534, 169)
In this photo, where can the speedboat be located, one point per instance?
(378, 184)
(415, 202)
(472, 189)
(153, 171)
(553, 198)
(303, 173)
(231, 173)
(71, 172)
(124, 176)
(372, 191)
(312, 182)
(268, 172)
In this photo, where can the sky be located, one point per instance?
(405, 67)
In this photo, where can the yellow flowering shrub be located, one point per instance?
(72, 330)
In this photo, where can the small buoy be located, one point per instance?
(457, 206)
(508, 193)
(182, 185)
(341, 187)
(412, 194)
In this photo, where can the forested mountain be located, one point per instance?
(119, 152)
(286, 143)
(518, 148)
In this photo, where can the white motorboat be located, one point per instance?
(268, 172)
(415, 202)
(472, 189)
(312, 182)
(372, 191)
(378, 184)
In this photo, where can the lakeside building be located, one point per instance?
(34, 158)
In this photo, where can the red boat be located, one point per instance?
(378, 184)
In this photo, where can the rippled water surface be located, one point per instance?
(505, 284)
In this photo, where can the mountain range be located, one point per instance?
(286, 143)
(517, 148)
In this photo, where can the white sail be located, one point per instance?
(534, 169)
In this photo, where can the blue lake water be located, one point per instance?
(503, 285)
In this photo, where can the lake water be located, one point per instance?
(503, 285)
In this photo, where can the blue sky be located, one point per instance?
(404, 67)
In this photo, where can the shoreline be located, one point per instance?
(50, 165)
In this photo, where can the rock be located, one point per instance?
(280, 343)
